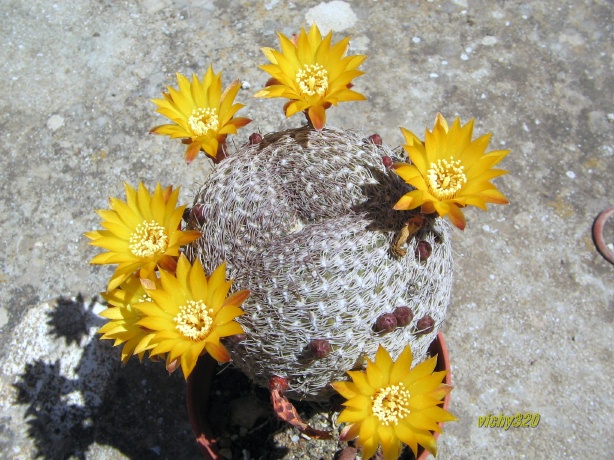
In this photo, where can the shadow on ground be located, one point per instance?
(136, 410)
(139, 410)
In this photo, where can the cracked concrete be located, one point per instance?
(530, 323)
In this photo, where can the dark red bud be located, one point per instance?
(198, 213)
(348, 453)
(255, 138)
(404, 315)
(186, 214)
(237, 338)
(423, 250)
(425, 325)
(386, 323)
(318, 348)
(387, 161)
(375, 139)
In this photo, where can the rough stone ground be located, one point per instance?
(530, 323)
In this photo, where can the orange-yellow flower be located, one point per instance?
(449, 171)
(201, 113)
(190, 313)
(312, 73)
(390, 404)
(141, 233)
(123, 318)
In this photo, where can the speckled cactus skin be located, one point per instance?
(304, 220)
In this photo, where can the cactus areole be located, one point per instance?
(305, 221)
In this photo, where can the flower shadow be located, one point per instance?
(92, 405)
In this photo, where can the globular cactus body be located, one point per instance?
(304, 220)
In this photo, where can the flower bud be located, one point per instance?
(255, 138)
(386, 323)
(403, 315)
(387, 161)
(425, 325)
(237, 338)
(318, 348)
(198, 213)
(423, 250)
(186, 214)
(375, 139)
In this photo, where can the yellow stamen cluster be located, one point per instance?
(390, 404)
(312, 79)
(203, 120)
(445, 178)
(148, 240)
(194, 321)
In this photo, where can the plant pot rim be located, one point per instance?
(199, 387)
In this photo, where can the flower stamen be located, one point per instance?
(389, 404)
(312, 79)
(445, 178)
(194, 320)
(203, 120)
(148, 240)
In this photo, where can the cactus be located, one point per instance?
(305, 220)
(337, 247)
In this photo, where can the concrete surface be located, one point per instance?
(530, 324)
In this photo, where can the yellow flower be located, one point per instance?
(201, 113)
(190, 313)
(312, 73)
(388, 404)
(141, 233)
(449, 171)
(123, 317)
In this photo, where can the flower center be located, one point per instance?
(445, 178)
(312, 79)
(194, 321)
(202, 120)
(148, 240)
(390, 404)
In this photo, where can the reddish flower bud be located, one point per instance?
(255, 138)
(386, 323)
(375, 139)
(271, 81)
(186, 214)
(237, 338)
(198, 213)
(425, 325)
(423, 250)
(387, 161)
(318, 348)
(404, 315)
